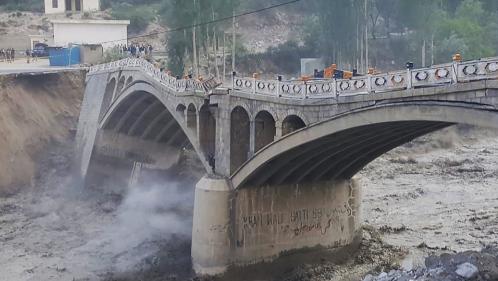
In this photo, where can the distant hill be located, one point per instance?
(37, 5)
(22, 5)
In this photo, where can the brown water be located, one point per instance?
(440, 194)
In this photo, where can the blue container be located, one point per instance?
(64, 56)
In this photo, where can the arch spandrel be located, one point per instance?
(240, 134)
(421, 115)
(142, 86)
(265, 129)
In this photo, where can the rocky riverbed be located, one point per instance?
(436, 197)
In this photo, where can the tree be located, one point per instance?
(387, 9)
(471, 32)
(184, 13)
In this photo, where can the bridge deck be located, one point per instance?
(434, 76)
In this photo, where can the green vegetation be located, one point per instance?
(284, 58)
(423, 31)
(181, 48)
(113, 54)
(22, 5)
(106, 4)
(139, 16)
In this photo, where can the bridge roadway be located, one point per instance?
(280, 156)
(21, 68)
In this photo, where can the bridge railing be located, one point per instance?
(169, 81)
(450, 73)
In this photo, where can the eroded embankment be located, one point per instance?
(34, 110)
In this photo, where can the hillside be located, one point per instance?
(34, 111)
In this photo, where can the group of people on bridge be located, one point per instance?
(7, 55)
(136, 50)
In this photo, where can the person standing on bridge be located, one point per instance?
(28, 55)
(2, 55)
(34, 57)
(7, 55)
(12, 54)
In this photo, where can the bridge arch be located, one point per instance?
(207, 134)
(109, 93)
(240, 134)
(121, 84)
(269, 109)
(292, 123)
(110, 86)
(129, 80)
(192, 117)
(341, 146)
(180, 109)
(141, 111)
(264, 129)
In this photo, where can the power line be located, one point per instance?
(210, 22)
(202, 23)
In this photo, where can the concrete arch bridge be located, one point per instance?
(279, 156)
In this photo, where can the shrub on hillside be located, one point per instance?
(284, 59)
(23, 5)
(139, 16)
(113, 54)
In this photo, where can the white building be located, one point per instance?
(62, 6)
(106, 32)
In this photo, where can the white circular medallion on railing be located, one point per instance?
(421, 76)
(380, 81)
(397, 79)
(326, 87)
(344, 85)
(470, 70)
(248, 84)
(238, 83)
(296, 89)
(271, 86)
(492, 67)
(285, 88)
(442, 73)
(261, 85)
(359, 84)
(313, 89)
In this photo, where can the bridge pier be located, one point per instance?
(211, 243)
(258, 224)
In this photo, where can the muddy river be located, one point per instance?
(437, 194)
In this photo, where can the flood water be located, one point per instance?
(437, 194)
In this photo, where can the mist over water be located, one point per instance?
(148, 216)
(59, 232)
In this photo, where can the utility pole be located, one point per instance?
(233, 38)
(224, 56)
(215, 47)
(423, 53)
(366, 36)
(432, 49)
(194, 42)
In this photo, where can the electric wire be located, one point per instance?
(181, 28)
